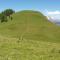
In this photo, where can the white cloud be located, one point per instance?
(53, 12)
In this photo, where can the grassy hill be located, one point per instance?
(31, 25)
(29, 36)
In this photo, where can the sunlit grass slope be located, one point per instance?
(29, 36)
(30, 25)
(10, 49)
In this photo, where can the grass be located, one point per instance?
(10, 49)
(29, 36)
(32, 25)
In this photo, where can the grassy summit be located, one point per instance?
(31, 25)
(29, 36)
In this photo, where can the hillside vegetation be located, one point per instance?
(31, 25)
(29, 36)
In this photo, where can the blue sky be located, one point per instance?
(48, 7)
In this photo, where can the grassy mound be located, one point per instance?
(29, 36)
(30, 25)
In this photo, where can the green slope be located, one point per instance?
(29, 36)
(10, 49)
(31, 25)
